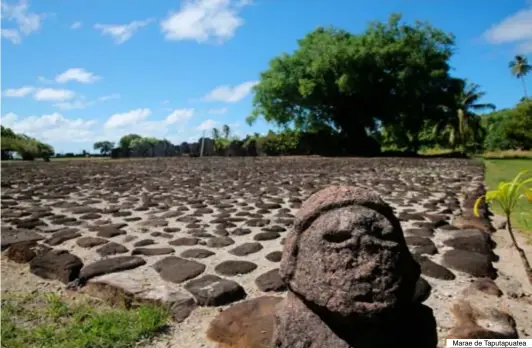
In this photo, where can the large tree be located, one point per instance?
(105, 147)
(520, 68)
(392, 72)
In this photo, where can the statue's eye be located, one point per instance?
(337, 236)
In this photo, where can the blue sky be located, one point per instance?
(78, 71)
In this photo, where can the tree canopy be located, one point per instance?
(392, 73)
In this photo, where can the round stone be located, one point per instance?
(235, 267)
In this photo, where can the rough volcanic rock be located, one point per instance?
(270, 281)
(211, 290)
(177, 270)
(152, 251)
(111, 248)
(235, 267)
(246, 249)
(475, 264)
(197, 253)
(25, 251)
(110, 265)
(56, 264)
(90, 242)
(9, 237)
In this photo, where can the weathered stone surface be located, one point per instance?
(62, 236)
(25, 251)
(476, 241)
(197, 253)
(152, 251)
(56, 264)
(485, 285)
(235, 267)
(220, 242)
(112, 248)
(472, 322)
(266, 236)
(184, 241)
(211, 290)
(421, 245)
(177, 270)
(330, 220)
(274, 256)
(475, 264)
(245, 324)
(270, 281)
(434, 270)
(114, 287)
(246, 249)
(9, 237)
(90, 242)
(144, 242)
(110, 265)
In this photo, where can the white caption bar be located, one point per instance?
(523, 343)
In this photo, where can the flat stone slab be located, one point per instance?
(110, 265)
(9, 237)
(135, 284)
(177, 270)
(211, 290)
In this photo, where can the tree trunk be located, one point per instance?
(521, 252)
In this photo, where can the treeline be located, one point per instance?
(28, 148)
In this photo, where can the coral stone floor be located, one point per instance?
(207, 232)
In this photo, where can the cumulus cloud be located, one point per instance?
(51, 127)
(77, 74)
(18, 92)
(127, 118)
(52, 94)
(26, 22)
(230, 94)
(201, 20)
(219, 111)
(179, 115)
(83, 103)
(516, 29)
(207, 125)
(122, 32)
(76, 25)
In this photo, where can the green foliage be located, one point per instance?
(105, 147)
(509, 128)
(125, 141)
(45, 321)
(392, 72)
(28, 148)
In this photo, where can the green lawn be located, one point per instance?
(498, 170)
(45, 321)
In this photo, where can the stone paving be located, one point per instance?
(209, 231)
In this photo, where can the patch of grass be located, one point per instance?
(46, 321)
(508, 154)
(498, 170)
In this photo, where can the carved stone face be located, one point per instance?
(351, 260)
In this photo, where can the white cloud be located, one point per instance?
(109, 97)
(230, 94)
(127, 118)
(44, 80)
(201, 20)
(76, 25)
(179, 115)
(12, 35)
(51, 127)
(77, 74)
(124, 32)
(51, 94)
(18, 92)
(516, 28)
(8, 119)
(207, 125)
(26, 22)
(83, 103)
(219, 111)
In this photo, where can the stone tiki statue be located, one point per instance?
(351, 278)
